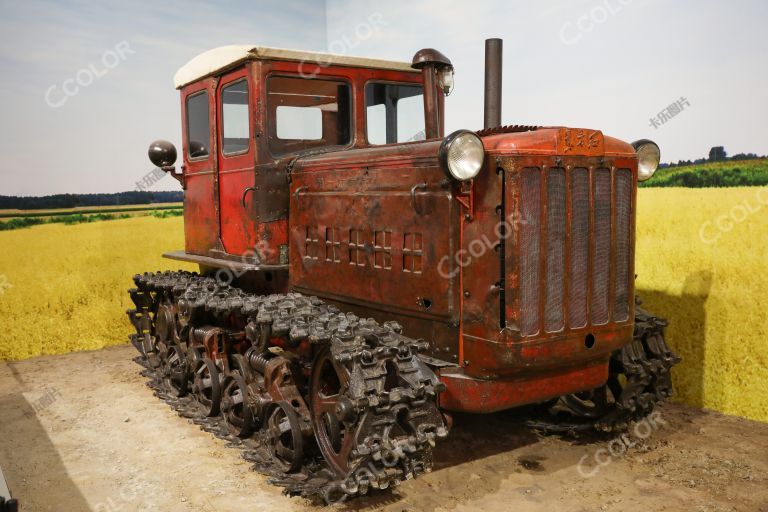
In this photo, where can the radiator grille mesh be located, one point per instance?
(601, 245)
(530, 239)
(579, 256)
(575, 248)
(555, 279)
(623, 247)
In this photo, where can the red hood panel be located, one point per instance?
(561, 141)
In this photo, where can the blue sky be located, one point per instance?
(607, 64)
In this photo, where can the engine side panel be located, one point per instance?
(368, 229)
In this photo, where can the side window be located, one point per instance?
(299, 123)
(198, 128)
(308, 113)
(235, 135)
(394, 113)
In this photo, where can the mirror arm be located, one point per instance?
(178, 176)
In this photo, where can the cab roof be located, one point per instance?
(225, 57)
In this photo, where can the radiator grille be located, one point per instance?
(578, 277)
(555, 284)
(575, 247)
(530, 235)
(601, 245)
(623, 248)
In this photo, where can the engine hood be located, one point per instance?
(556, 141)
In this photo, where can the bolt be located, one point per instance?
(466, 293)
(466, 362)
(468, 217)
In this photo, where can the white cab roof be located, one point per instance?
(224, 57)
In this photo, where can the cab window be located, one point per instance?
(307, 113)
(235, 134)
(198, 129)
(394, 113)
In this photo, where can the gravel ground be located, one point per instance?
(82, 432)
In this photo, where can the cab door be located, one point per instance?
(236, 162)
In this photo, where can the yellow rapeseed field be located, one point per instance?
(68, 283)
(701, 258)
(701, 255)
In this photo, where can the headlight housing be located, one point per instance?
(461, 154)
(648, 158)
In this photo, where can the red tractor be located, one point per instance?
(362, 275)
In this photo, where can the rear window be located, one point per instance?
(308, 113)
(198, 129)
(394, 113)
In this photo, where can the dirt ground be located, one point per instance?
(82, 432)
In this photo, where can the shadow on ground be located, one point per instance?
(26, 450)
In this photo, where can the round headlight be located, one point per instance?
(461, 155)
(648, 158)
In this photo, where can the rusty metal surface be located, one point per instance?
(492, 343)
(201, 219)
(493, 83)
(510, 128)
(426, 56)
(465, 393)
(383, 251)
(430, 62)
(380, 231)
(270, 192)
(235, 174)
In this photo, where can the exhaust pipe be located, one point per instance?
(492, 105)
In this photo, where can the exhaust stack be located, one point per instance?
(492, 105)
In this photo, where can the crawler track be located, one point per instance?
(639, 377)
(327, 404)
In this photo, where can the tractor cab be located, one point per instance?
(249, 112)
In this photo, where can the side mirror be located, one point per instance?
(162, 153)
